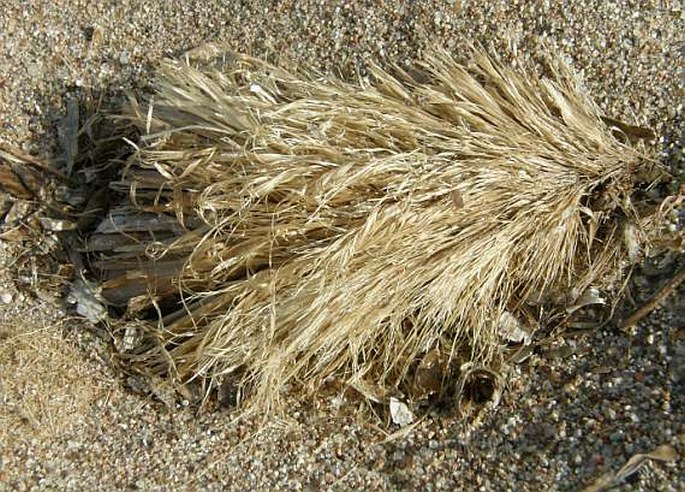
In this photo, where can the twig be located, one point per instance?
(16, 156)
(655, 301)
(608, 481)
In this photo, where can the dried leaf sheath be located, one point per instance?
(345, 230)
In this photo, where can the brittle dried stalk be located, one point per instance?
(656, 300)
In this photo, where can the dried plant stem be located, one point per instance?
(655, 301)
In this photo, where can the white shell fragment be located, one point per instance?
(400, 413)
(511, 330)
(88, 301)
(630, 238)
(56, 225)
(130, 338)
(6, 297)
(589, 297)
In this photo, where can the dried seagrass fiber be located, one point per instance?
(285, 229)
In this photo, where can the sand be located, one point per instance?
(579, 408)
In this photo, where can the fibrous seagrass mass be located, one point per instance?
(397, 235)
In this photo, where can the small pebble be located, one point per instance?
(6, 297)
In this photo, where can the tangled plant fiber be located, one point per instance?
(282, 229)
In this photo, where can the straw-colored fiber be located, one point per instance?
(286, 229)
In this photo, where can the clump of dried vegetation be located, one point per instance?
(403, 235)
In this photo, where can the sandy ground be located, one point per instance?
(573, 412)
